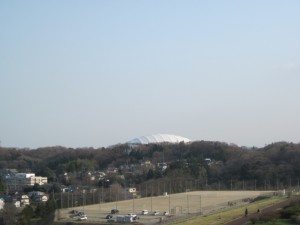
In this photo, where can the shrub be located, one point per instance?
(290, 211)
(269, 216)
(253, 220)
(297, 219)
(261, 197)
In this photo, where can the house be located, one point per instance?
(41, 198)
(130, 192)
(25, 200)
(1, 203)
(38, 196)
(17, 204)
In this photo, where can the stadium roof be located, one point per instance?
(158, 138)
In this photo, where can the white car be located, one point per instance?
(83, 217)
(132, 215)
(145, 212)
(155, 213)
(166, 213)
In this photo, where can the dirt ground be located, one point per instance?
(175, 204)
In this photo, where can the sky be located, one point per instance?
(98, 73)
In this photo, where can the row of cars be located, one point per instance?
(134, 216)
(155, 213)
(130, 217)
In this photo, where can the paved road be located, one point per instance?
(274, 207)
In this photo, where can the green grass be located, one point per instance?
(232, 214)
(35, 221)
(277, 222)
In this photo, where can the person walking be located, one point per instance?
(246, 212)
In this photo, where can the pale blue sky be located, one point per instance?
(97, 73)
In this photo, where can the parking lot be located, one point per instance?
(175, 204)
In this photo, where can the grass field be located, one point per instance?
(179, 205)
(279, 222)
(226, 216)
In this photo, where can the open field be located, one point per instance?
(178, 205)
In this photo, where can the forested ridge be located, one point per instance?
(211, 164)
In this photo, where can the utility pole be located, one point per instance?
(110, 193)
(265, 184)
(83, 191)
(102, 193)
(117, 196)
(132, 203)
(68, 199)
(170, 198)
(200, 205)
(169, 203)
(99, 200)
(61, 200)
(151, 203)
(188, 206)
(151, 195)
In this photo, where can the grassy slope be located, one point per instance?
(278, 222)
(227, 216)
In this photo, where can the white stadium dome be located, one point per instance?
(158, 138)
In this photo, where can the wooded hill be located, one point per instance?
(275, 166)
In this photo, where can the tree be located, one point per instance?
(51, 205)
(9, 214)
(2, 186)
(40, 209)
(150, 174)
(55, 188)
(26, 215)
(47, 172)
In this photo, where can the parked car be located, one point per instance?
(74, 212)
(132, 215)
(83, 217)
(155, 213)
(145, 212)
(80, 213)
(108, 216)
(114, 211)
(166, 213)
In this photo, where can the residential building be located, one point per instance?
(20, 180)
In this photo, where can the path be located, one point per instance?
(272, 208)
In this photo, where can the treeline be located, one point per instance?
(207, 164)
(42, 214)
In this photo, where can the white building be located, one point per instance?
(21, 180)
(158, 138)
